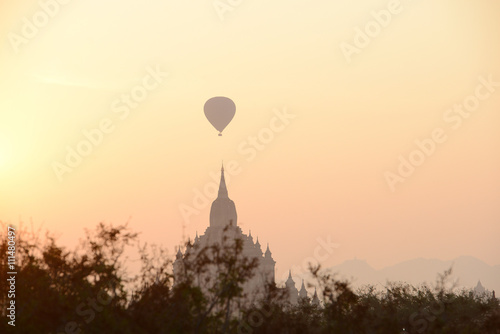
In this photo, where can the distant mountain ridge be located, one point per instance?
(467, 271)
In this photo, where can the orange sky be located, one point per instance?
(320, 173)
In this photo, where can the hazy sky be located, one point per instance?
(351, 105)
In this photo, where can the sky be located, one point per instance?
(366, 129)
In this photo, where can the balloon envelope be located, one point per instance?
(219, 111)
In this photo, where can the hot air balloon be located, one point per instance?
(219, 111)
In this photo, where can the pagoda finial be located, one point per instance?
(222, 186)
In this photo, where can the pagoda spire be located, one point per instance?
(258, 247)
(303, 291)
(222, 186)
(179, 253)
(315, 299)
(223, 210)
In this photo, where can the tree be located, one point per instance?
(89, 290)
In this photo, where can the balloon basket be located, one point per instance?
(220, 134)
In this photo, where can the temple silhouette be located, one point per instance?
(224, 223)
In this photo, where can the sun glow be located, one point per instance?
(5, 154)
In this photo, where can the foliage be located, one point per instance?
(88, 290)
